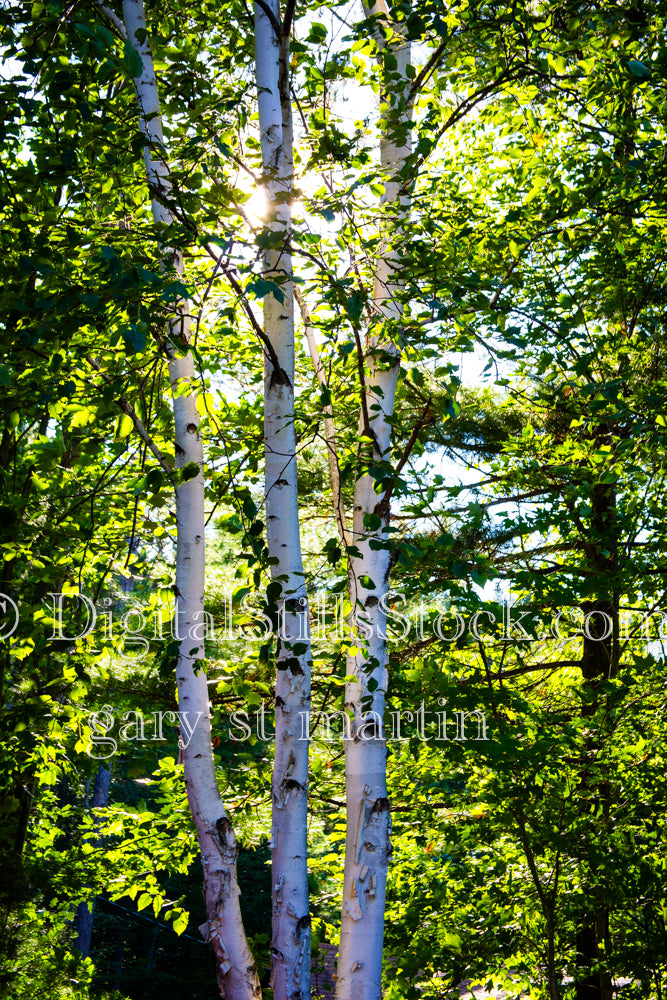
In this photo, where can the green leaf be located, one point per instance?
(124, 427)
(249, 507)
(355, 305)
(638, 69)
(154, 480)
(317, 33)
(175, 290)
(189, 471)
(132, 59)
(134, 338)
(260, 287)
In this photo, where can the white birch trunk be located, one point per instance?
(237, 976)
(368, 846)
(290, 946)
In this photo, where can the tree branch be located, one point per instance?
(329, 426)
(368, 430)
(113, 19)
(408, 448)
(530, 668)
(426, 71)
(288, 18)
(127, 408)
(269, 14)
(266, 343)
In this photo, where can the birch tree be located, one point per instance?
(290, 948)
(367, 848)
(479, 269)
(367, 851)
(237, 976)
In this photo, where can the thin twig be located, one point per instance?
(368, 430)
(329, 425)
(423, 418)
(129, 410)
(424, 73)
(268, 346)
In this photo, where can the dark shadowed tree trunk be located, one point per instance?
(83, 921)
(599, 662)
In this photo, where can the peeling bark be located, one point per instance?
(237, 976)
(368, 845)
(290, 946)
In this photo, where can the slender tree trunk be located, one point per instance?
(599, 662)
(117, 964)
(83, 921)
(547, 898)
(367, 848)
(150, 963)
(290, 948)
(237, 976)
(552, 981)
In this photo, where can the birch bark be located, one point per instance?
(290, 947)
(237, 976)
(368, 846)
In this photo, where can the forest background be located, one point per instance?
(460, 210)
